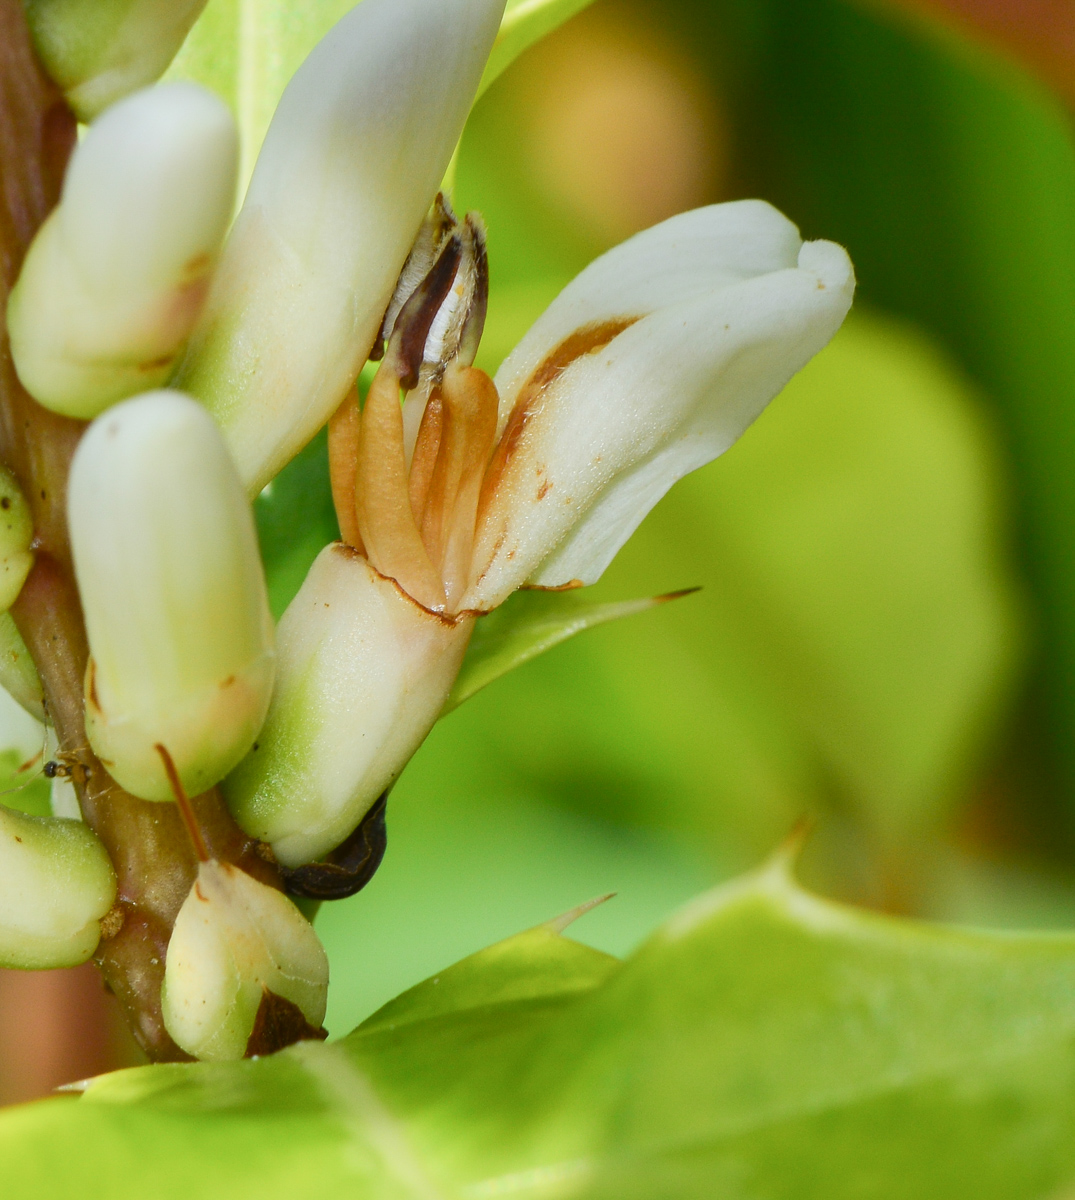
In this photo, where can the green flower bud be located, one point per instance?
(56, 883)
(117, 276)
(363, 672)
(166, 557)
(16, 534)
(18, 675)
(234, 940)
(99, 50)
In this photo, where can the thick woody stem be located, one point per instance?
(148, 843)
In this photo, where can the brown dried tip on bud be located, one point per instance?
(406, 484)
(439, 306)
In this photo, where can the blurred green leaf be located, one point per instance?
(296, 520)
(538, 964)
(528, 624)
(525, 22)
(950, 174)
(247, 51)
(856, 638)
(763, 1043)
(27, 790)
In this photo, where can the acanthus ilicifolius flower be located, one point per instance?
(650, 364)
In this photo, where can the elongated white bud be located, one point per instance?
(363, 673)
(99, 50)
(56, 883)
(234, 940)
(349, 168)
(16, 534)
(173, 593)
(117, 276)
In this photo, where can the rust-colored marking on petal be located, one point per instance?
(586, 340)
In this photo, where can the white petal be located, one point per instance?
(363, 672)
(349, 167)
(726, 306)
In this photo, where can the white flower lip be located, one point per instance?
(172, 587)
(650, 364)
(349, 167)
(116, 278)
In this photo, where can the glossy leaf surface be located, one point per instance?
(762, 1043)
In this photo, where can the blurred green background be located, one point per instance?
(885, 636)
(885, 639)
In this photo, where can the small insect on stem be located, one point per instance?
(67, 765)
(183, 803)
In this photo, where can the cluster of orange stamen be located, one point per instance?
(414, 514)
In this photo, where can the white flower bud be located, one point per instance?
(363, 672)
(350, 165)
(235, 939)
(99, 50)
(117, 276)
(174, 596)
(16, 534)
(56, 883)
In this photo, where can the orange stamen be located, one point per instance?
(425, 453)
(343, 430)
(382, 500)
(470, 404)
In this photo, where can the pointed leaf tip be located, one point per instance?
(559, 924)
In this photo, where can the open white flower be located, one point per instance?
(650, 364)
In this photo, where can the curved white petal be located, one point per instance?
(681, 337)
(363, 672)
(349, 167)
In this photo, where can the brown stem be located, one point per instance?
(148, 843)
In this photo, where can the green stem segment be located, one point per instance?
(149, 846)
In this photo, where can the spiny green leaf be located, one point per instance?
(535, 964)
(528, 624)
(764, 1043)
(526, 22)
